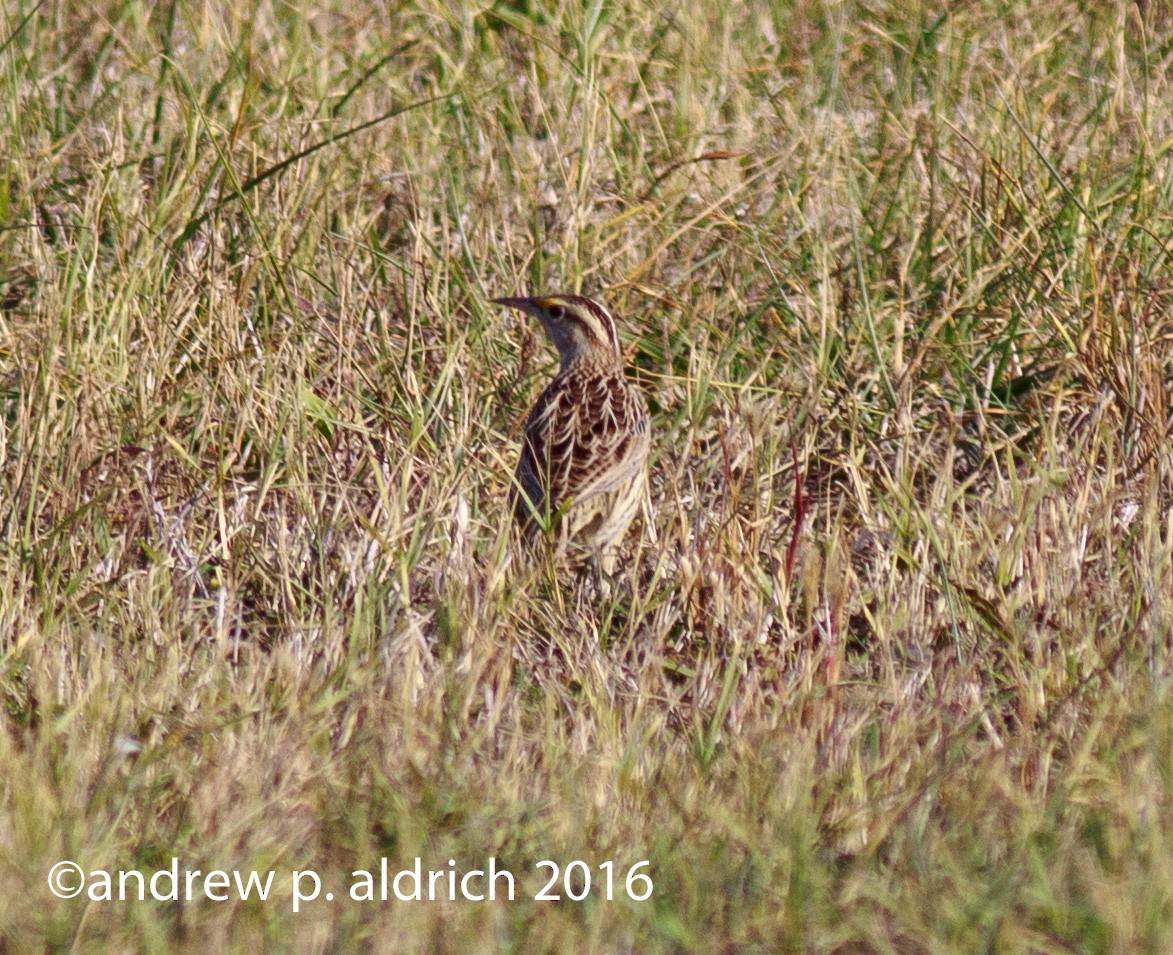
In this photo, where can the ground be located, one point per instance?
(886, 664)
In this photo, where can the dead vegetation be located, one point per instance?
(888, 669)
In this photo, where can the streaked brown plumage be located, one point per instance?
(584, 455)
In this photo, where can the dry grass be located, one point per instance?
(897, 285)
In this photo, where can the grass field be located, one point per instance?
(888, 665)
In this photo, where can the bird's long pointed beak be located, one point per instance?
(528, 305)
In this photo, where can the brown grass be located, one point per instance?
(888, 669)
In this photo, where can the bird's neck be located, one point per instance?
(599, 359)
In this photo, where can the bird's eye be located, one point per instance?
(556, 312)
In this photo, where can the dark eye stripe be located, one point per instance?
(606, 322)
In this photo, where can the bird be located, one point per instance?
(583, 466)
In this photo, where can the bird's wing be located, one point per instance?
(585, 436)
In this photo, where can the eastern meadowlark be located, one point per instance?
(583, 466)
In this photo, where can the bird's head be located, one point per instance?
(578, 326)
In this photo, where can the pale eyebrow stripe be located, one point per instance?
(606, 322)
